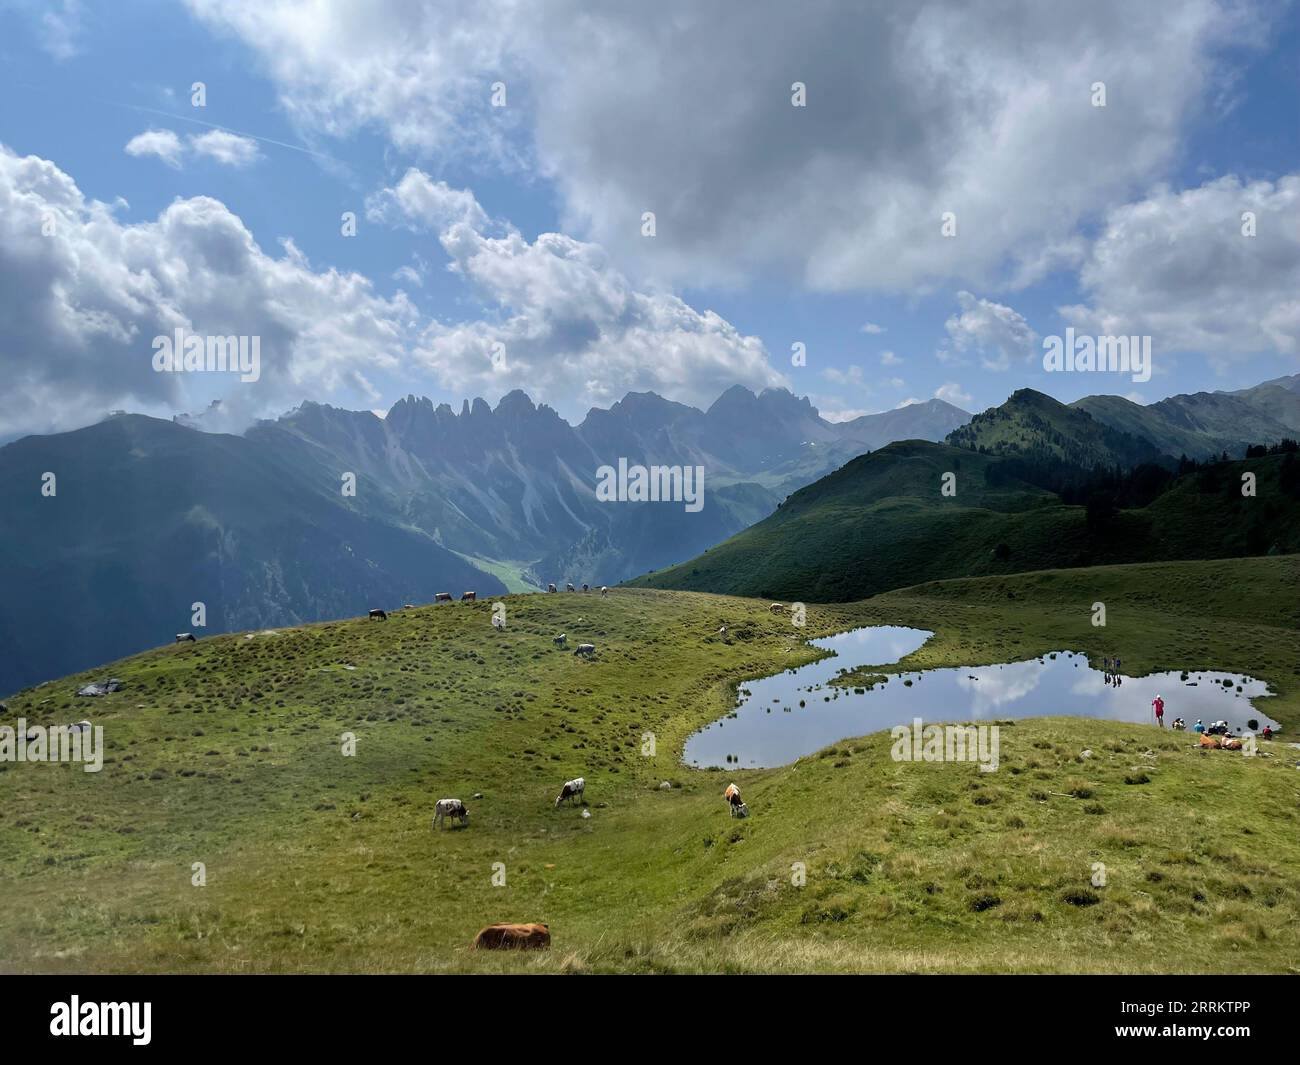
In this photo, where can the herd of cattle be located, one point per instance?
(537, 936)
(530, 936)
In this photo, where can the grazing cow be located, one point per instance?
(559, 640)
(468, 597)
(734, 802)
(550, 587)
(453, 808)
(604, 591)
(569, 587)
(776, 608)
(185, 637)
(378, 615)
(723, 632)
(572, 790)
(514, 937)
(587, 649)
(442, 597)
(585, 588)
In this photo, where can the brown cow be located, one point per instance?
(776, 608)
(468, 597)
(513, 937)
(442, 597)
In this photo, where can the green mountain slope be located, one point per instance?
(881, 522)
(1033, 426)
(1203, 424)
(150, 517)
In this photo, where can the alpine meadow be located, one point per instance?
(649, 489)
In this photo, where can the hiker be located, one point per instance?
(1199, 726)
(1159, 705)
(1268, 732)
(1117, 665)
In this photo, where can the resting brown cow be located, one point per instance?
(513, 937)
(468, 597)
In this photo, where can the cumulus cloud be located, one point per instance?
(994, 332)
(417, 202)
(1179, 267)
(952, 392)
(83, 294)
(162, 143)
(229, 149)
(936, 108)
(566, 325)
(888, 358)
(871, 329)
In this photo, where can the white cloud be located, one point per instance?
(1177, 267)
(229, 149)
(162, 143)
(82, 305)
(907, 402)
(410, 275)
(871, 329)
(565, 325)
(888, 358)
(843, 415)
(850, 375)
(993, 331)
(951, 392)
(418, 202)
(936, 108)
(61, 29)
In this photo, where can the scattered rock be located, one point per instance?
(101, 687)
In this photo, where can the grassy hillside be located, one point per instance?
(881, 522)
(228, 752)
(1034, 426)
(1205, 424)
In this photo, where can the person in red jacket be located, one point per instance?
(1159, 705)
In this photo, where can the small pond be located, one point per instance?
(769, 727)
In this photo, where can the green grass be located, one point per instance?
(511, 574)
(227, 752)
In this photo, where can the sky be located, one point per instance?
(912, 196)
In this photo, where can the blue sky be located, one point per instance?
(788, 224)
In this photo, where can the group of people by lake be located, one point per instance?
(1111, 667)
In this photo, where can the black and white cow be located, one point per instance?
(572, 791)
(453, 808)
(586, 649)
(378, 615)
(185, 637)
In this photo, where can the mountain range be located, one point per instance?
(149, 517)
(883, 520)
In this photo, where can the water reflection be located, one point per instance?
(769, 726)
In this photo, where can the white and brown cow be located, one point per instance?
(734, 802)
(604, 591)
(550, 587)
(572, 791)
(453, 808)
(442, 597)
(468, 597)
